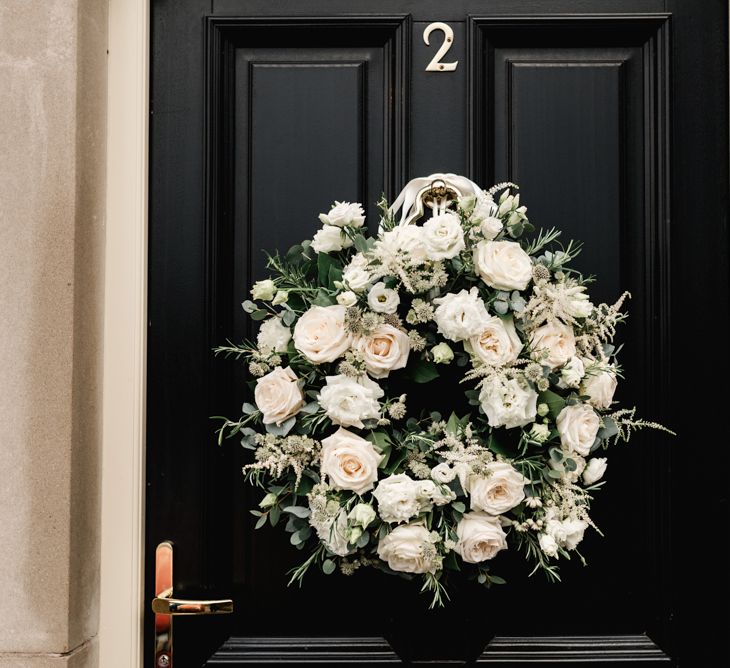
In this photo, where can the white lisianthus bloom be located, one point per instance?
(410, 549)
(382, 299)
(273, 336)
(567, 533)
(548, 545)
(278, 395)
(399, 498)
(508, 402)
(480, 537)
(594, 470)
(383, 350)
(347, 298)
(348, 401)
(350, 462)
(281, 297)
(578, 426)
(443, 473)
(356, 275)
(329, 239)
(500, 490)
(599, 386)
(553, 344)
(344, 214)
(502, 265)
(490, 227)
(572, 373)
(442, 353)
(264, 290)
(461, 315)
(362, 515)
(320, 334)
(443, 236)
(497, 344)
(403, 239)
(579, 304)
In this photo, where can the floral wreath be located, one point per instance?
(353, 324)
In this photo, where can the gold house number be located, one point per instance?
(436, 65)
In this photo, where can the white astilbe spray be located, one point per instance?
(276, 454)
(600, 328)
(553, 303)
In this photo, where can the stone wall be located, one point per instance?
(52, 201)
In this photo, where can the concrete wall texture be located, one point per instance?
(52, 198)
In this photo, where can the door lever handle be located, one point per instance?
(165, 604)
(166, 607)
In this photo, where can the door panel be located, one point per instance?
(262, 113)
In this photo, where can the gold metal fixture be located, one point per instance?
(166, 607)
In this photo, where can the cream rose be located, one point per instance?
(553, 344)
(479, 537)
(594, 470)
(356, 275)
(278, 395)
(274, 336)
(344, 213)
(461, 315)
(599, 386)
(410, 549)
(382, 299)
(578, 426)
(497, 344)
(443, 236)
(385, 349)
(508, 402)
(329, 239)
(320, 334)
(502, 265)
(350, 462)
(499, 491)
(348, 401)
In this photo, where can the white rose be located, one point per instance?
(572, 373)
(382, 299)
(383, 350)
(497, 344)
(499, 491)
(330, 238)
(320, 334)
(508, 402)
(443, 236)
(348, 401)
(278, 395)
(490, 227)
(399, 498)
(502, 265)
(599, 387)
(548, 545)
(461, 315)
(344, 213)
(356, 275)
(349, 461)
(347, 298)
(264, 290)
(362, 515)
(553, 344)
(578, 426)
(567, 533)
(274, 336)
(403, 239)
(480, 537)
(443, 473)
(595, 470)
(410, 549)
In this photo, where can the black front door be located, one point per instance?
(612, 116)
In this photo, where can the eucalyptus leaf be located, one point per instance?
(288, 317)
(248, 306)
(328, 566)
(248, 409)
(298, 511)
(259, 314)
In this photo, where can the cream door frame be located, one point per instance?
(125, 315)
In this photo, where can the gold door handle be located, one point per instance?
(165, 604)
(166, 607)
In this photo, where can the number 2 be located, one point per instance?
(436, 65)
